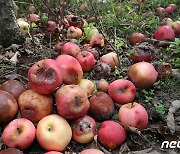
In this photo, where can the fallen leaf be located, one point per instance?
(171, 122)
(175, 105)
(14, 58)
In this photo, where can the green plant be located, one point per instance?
(160, 107)
(148, 95)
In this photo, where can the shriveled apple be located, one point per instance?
(74, 33)
(97, 40)
(87, 85)
(102, 85)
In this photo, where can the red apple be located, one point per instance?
(53, 133)
(164, 33)
(122, 91)
(111, 134)
(136, 38)
(70, 48)
(111, 59)
(34, 18)
(75, 21)
(101, 106)
(45, 76)
(87, 47)
(84, 129)
(71, 101)
(102, 85)
(142, 74)
(51, 26)
(176, 27)
(167, 21)
(35, 106)
(19, 133)
(174, 6)
(160, 11)
(11, 151)
(89, 32)
(88, 86)
(8, 106)
(91, 151)
(14, 87)
(86, 60)
(74, 33)
(169, 10)
(97, 40)
(133, 114)
(53, 152)
(70, 68)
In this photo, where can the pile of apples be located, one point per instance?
(79, 102)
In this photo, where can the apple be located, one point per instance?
(11, 151)
(122, 91)
(160, 11)
(53, 133)
(133, 114)
(111, 59)
(88, 86)
(102, 85)
(14, 87)
(89, 32)
(74, 33)
(23, 27)
(84, 129)
(45, 76)
(70, 68)
(142, 74)
(176, 27)
(86, 60)
(87, 47)
(164, 33)
(174, 6)
(34, 106)
(97, 40)
(111, 134)
(101, 106)
(8, 106)
(34, 18)
(142, 53)
(169, 10)
(167, 21)
(83, 6)
(51, 26)
(19, 133)
(72, 101)
(75, 21)
(91, 151)
(136, 38)
(70, 48)
(53, 152)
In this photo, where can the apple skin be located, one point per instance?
(74, 33)
(101, 106)
(84, 129)
(35, 109)
(102, 85)
(70, 68)
(45, 76)
(14, 87)
(142, 74)
(53, 152)
(111, 134)
(91, 151)
(86, 60)
(34, 18)
(176, 27)
(122, 91)
(111, 59)
(160, 11)
(8, 106)
(72, 101)
(133, 114)
(88, 86)
(23, 27)
(11, 151)
(169, 10)
(164, 33)
(70, 48)
(136, 38)
(19, 133)
(53, 133)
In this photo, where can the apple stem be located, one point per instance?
(132, 104)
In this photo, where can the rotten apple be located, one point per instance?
(102, 85)
(136, 38)
(74, 33)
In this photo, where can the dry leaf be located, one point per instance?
(14, 58)
(171, 122)
(175, 105)
(146, 151)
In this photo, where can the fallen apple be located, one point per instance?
(23, 27)
(167, 21)
(176, 27)
(34, 18)
(136, 38)
(169, 10)
(91, 151)
(88, 86)
(102, 85)
(97, 40)
(74, 33)
(11, 151)
(160, 11)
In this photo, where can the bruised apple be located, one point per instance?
(160, 11)
(176, 27)
(111, 134)
(102, 85)
(122, 91)
(91, 151)
(136, 38)
(14, 87)
(70, 68)
(11, 151)
(142, 74)
(97, 40)
(34, 18)
(8, 106)
(70, 48)
(167, 21)
(34, 106)
(74, 33)
(86, 60)
(111, 59)
(45, 76)
(19, 133)
(53, 133)
(87, 85)
(72, 101)
(169, 10)
(84, 129)
(134, 114)
(101, 106)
